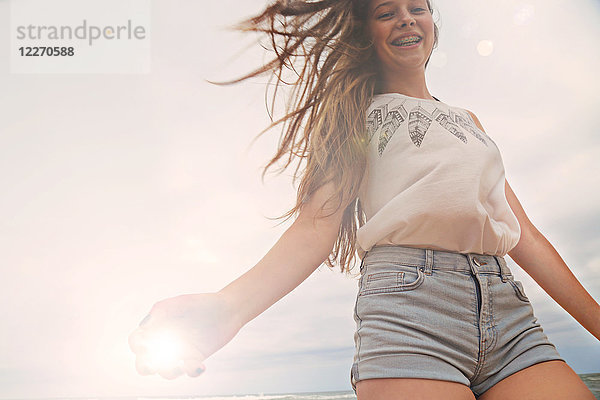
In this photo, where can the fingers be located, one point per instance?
(192, 363)
(137, 341)
(164, 353)
(138, 338)
(170, 373)
(193, 367)
(154, 317)
(145, 320)
(143, 365)
(161, 347)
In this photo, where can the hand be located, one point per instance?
(181, 332)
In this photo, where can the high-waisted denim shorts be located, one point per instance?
(424, 313)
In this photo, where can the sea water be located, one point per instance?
(591, 380)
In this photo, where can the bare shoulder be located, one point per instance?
(477, 122)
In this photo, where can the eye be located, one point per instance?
(418, 10)
(385, 15)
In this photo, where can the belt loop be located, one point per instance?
(504, 271)
(428, 261)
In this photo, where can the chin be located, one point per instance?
(407, 65)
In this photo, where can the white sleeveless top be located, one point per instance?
(433, 180)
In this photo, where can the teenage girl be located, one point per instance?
(414, 186)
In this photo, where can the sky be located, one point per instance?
(124, 189)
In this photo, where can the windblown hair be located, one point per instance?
(325, 46)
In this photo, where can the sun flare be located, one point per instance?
(164, 350)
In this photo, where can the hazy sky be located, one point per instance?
(120, 190)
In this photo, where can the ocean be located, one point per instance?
(591, 380)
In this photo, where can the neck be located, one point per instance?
(410, 83)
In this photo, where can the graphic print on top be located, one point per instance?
(419, 121)
(433, 179)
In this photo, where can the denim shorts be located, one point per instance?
(424, 313)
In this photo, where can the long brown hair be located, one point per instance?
(323, 52)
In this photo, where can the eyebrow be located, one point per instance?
(382, 4)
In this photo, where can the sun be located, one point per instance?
(164, 350)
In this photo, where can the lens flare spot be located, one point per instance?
(485, 48)
(164, 350)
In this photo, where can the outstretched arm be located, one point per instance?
(181, 332)
(536, 255)
(301, 249)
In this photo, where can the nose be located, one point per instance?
(406, 19)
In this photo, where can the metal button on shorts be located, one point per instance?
(423, 313)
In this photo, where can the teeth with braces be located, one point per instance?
(411, 39)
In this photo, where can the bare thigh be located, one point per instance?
(548, 380)
(411, 389)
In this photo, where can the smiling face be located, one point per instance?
(402, 32)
